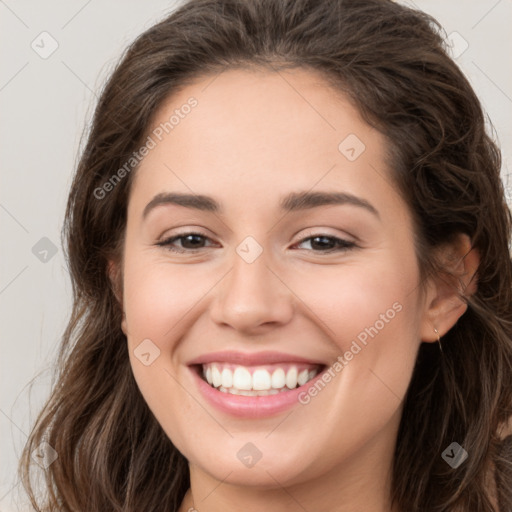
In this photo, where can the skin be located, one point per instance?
(254, 137)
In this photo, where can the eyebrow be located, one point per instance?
(295, 201)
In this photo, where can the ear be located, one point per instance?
(445, 298)
(116, 278)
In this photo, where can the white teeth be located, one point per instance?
(242, 379)
(217, 379)
(227, 378)
(260, 383)
(291, 378)
(251, 392)
(261, 380)
(278, 379)
(302, 378)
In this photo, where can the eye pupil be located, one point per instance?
(194, 239)
(325, 241)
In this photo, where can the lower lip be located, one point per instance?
(252, 406)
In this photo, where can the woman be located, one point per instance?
(289, 247)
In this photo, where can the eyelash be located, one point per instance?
(343, 245)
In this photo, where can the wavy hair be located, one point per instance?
(391, 61)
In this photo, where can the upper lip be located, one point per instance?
(251, 359)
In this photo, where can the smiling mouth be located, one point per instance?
(263, 380)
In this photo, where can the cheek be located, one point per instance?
(370, 314)
(158, 297)
(350, 299)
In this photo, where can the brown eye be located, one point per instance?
(189, 242)
(326, 243)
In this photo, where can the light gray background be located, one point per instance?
(45, 104)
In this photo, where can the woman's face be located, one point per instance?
(301, 266)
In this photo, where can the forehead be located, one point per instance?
(261, 132)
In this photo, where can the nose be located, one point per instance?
(252, 297)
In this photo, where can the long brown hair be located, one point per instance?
(391, 62)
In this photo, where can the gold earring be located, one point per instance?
(438, 340)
